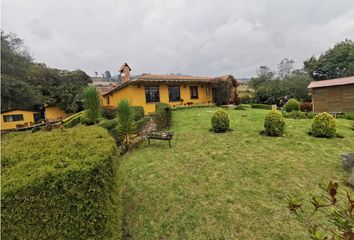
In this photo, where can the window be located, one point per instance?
(107, 100)
(207, 89)
(13, 118)
(194, 92)
(174, 93)
(152, 94)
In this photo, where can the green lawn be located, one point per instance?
(228, 185)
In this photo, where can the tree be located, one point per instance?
(92, 104)
(107, 74)
(264, 74)
(285, 67)
(221, 93)
(334, 63)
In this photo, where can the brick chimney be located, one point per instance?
(125, 73)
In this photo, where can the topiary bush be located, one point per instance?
(324, 125)
(274, 124)
(291, 105)
(220, 121)
(59, 186)
(306, 107)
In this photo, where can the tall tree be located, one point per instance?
(285, 67)
(334, 63)
(264, 74)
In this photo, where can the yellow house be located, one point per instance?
(149, 89)
(16, 118)
(54, 113)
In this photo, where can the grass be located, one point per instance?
(229, 185)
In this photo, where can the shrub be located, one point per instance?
(84, 119)
(324, 125)
(274, 123)
(162, 116)
(291, 105)
(92, 104)
(298, 115)
(108, 124)
(346, 115)
(220, 121)
(126, 127)
(138, 112)
(306, 107)
(59, 186)
(73, 121)
(261, 106)
(109, 112)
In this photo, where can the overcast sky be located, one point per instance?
(196, 37)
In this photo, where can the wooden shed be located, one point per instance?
(333, 96)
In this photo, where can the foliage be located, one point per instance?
(291, 105)
(73, 120)
(221, 94)
(306, 107)
(299, 115)
(57, 187)
(340, 218)
(162, 116)
(198, 105)
(346, 115)
(274, 124)
(334, 63)
(108, 124)
(324, 125)
(92, 104)
(261, 106)
(126, 127)
(138, 112)
(109, 112)
(26, 84)
(220, 121)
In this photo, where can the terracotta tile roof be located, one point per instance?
(332, 82)
(154, 78)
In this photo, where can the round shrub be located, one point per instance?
(291, 105)
(306, 107)
(220, 121)
(274, 123)
(324, 125)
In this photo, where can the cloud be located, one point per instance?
(194, 37)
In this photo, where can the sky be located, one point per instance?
(194, 37)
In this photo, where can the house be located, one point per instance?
(15, 118)
(334, 96)
(148, 89)
(54, 113)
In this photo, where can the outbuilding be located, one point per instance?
(333, 96)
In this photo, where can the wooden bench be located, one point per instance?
(160, 136)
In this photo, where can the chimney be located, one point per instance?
(125, 73)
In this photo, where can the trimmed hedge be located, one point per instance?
(274, 124)
(162, 116)
(299, 115)
(57, 185)
(108, 124)
(291, 105)
(261, 106)
(220, 121)
(138, 112)
(324, 125)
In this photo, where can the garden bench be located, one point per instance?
(160, 136)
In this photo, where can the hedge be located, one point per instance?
(261, 106)
(162, 116)
(57, 185)
(138, 112)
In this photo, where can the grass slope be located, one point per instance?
(225, 186)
